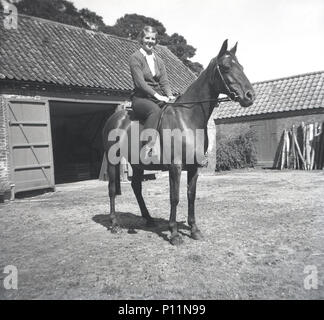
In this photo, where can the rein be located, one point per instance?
(201, 101)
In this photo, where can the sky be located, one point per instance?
(276, 38)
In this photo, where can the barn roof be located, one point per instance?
(300, 92)
(49, 52)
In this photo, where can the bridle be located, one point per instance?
(231, 95)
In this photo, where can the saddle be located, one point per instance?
(127, 105)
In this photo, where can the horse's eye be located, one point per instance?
(225, 67)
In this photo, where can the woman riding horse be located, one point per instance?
(151, 84)
(191, 113)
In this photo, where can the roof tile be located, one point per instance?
(47, 51)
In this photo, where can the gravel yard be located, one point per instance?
(261, 228)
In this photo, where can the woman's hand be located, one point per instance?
(172, 98)
(161, 98)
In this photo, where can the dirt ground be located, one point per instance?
(261, 229)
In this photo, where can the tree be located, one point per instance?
(130, 25)
(178, 45)
(56, 10)
(92, 20)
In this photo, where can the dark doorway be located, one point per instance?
(77, 141)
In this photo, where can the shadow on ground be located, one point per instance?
(132, 223)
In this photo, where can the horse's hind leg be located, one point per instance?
(137, 188)
(192, 177)
(174, 178)
(112, 188)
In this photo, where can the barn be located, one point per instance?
(279, 104)
(58, 85)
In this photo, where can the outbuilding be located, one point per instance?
(279, 104)
(58, 85)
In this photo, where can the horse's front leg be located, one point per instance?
(112, 177)
(192, 177)
(137, 188)
(174, 178)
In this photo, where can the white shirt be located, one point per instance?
(150, 60)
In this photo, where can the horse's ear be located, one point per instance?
(233, 50)
(223, 48)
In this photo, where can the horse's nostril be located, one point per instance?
(249, 95)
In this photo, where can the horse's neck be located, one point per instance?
(200, 91)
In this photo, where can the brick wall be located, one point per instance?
(4, 148)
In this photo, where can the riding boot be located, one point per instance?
(152, 151)
(152, 147)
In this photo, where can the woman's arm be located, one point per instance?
(138, 77)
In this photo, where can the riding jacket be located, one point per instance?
(146, 85)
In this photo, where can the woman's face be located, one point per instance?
(149, 41)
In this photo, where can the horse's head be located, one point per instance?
(228, 77)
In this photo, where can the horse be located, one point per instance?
(190, 111)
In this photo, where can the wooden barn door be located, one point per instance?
(266, 133)
(30, 145)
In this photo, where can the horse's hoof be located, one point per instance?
(115, 229)
(176, 240)
(197, 235)
(150, 223)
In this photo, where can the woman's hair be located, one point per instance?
(145, 30)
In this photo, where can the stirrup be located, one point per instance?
(150, 154)
(147, 148)
(148, 151)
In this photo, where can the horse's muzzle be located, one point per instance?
(248, 99)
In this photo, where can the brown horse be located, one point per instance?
(190, 113)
